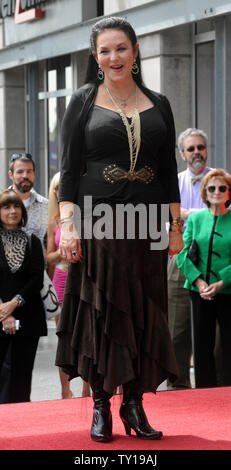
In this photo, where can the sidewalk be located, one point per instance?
(45, 382)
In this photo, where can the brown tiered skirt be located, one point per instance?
(114, 316)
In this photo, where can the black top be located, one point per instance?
(27, 281)
(93, 137)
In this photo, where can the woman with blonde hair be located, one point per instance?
(57, 267)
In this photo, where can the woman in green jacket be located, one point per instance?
(208, 277)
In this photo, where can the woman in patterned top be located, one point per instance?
(22, 316)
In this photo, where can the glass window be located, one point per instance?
(59, 87)
(56, 109)
(205, 99)
(49, 89)
(41, 75)
(52, 80)
(42, 150)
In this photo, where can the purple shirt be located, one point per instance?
(190, 193)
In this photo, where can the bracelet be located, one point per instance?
(20, 300)
(177, 221)
(65, 219)
(176, 229)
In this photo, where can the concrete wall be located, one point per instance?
(12, 122)
(167, 68)
(166, 59)
(59, 14)
(1, 34)
(113, 6)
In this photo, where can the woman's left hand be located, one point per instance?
(209, 292)
(176, 243)
(6, 309)
(9, 325)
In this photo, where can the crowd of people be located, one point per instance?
(131, 317)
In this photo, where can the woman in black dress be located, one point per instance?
(21, 279)
(118, 147)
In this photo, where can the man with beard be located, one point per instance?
(22, 174)
(192, 144)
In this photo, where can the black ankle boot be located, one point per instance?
(101, 430)
(133, 414)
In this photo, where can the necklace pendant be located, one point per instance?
(124, 104)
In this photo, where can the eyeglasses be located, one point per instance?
(17, 156)
(198, 147)
(222, 188)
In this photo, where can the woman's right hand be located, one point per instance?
(201, 285)
(203, 289)
(70, 244)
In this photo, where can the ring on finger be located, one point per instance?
(74, 253)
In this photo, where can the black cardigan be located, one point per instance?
(72, 141)
(26, 281)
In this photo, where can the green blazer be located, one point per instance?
(213, 236)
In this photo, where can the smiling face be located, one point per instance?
(11, 215)
(115, 54)
(217, 191)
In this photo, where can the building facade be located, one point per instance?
(44, 44)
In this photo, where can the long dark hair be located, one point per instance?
(112, 22)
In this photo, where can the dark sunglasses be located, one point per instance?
(198, 147)
(17, 156)
(222, 188)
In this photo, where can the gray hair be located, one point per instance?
(188, 133)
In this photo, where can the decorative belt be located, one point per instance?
(114, 173)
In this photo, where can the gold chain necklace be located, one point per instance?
(133, 130)
(123, 103)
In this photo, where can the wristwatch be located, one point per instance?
(20, 300)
